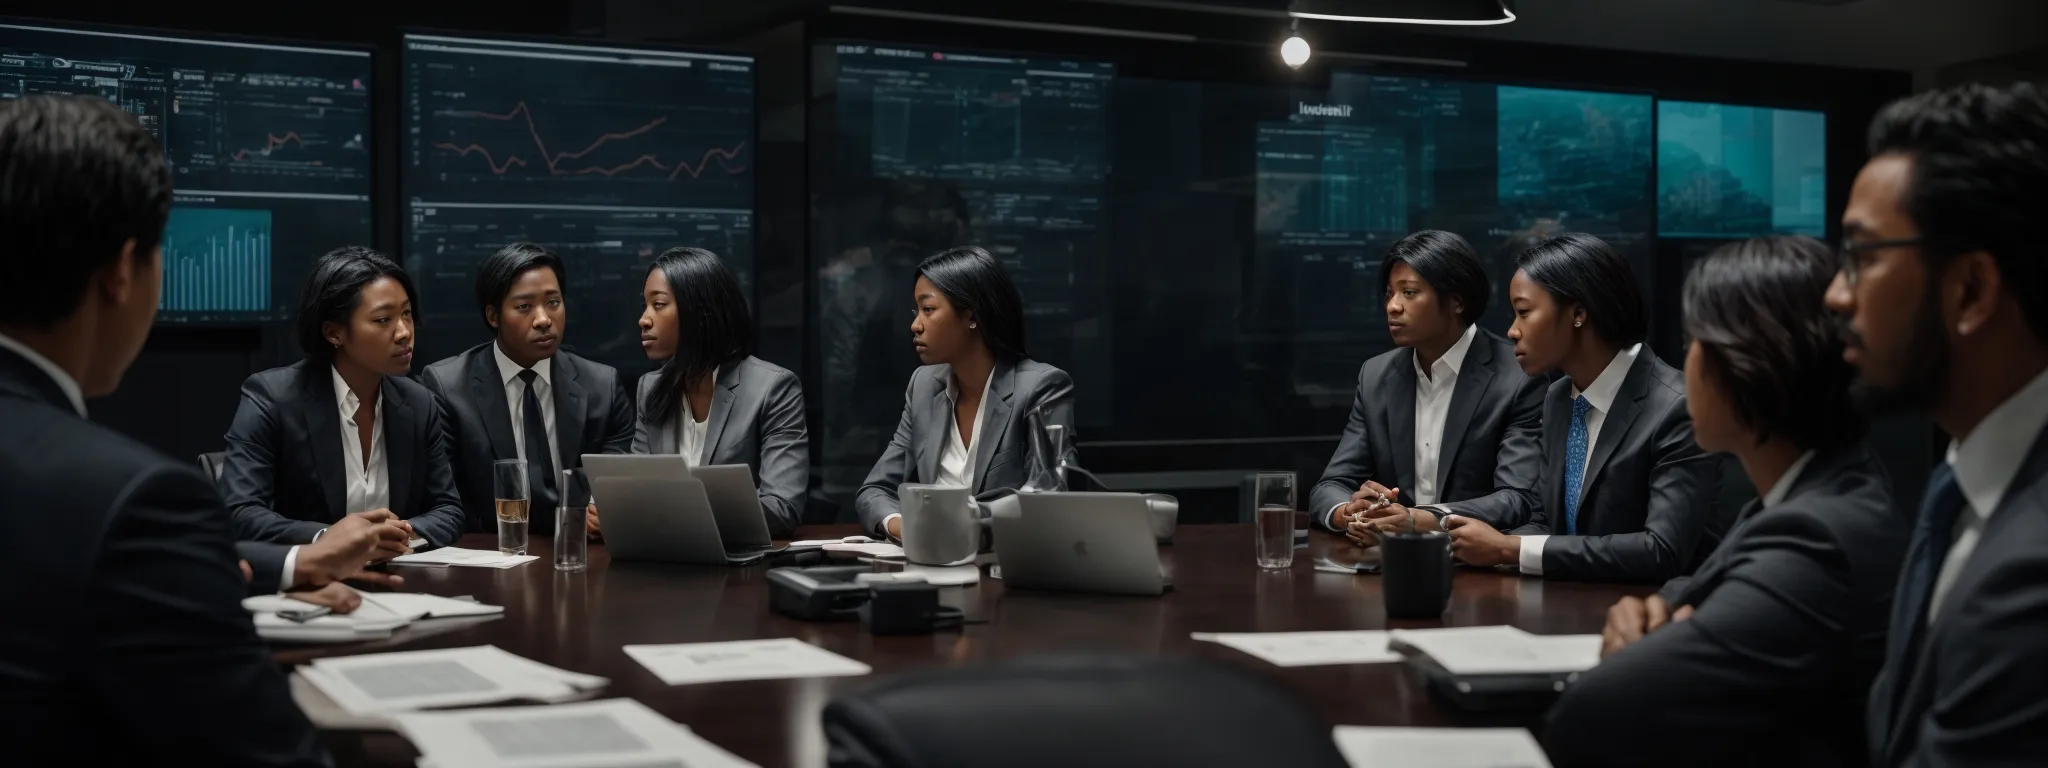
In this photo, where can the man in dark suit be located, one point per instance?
(1945, 292)
(126, 642)
(1447, 421)
(521, 396)
(1765, 655)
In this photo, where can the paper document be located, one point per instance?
(871, 549)
(429, 606)
(1308, 649)
(613, 733)
(822, 542)
(454, 677)
(475, 558)
(1364, 747)
(1500, 650)
(368, 622)
(686, 663)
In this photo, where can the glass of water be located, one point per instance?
(572, 542)
(1274, 520)
(508, 484)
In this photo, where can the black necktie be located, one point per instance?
(1933, 533)
(540, 469)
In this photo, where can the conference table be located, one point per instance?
(580, 621)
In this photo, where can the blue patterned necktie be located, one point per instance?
(1575, 463)
(1933, 532)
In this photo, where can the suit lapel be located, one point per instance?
(995, 421)
(1474, 378)
(323, 424)
(401, 445)
(1614, 429)
(569, 404)
(1401, 423)
(939, 413)
(721, 409)
(488, 390)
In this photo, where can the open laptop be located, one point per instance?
(658, 508)
(1079, 542)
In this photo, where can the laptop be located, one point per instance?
(658, 508)
(1079, 542)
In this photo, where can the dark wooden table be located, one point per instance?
(579, 621)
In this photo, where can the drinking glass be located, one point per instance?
(1274, 494)
(572, 543)
(509, 486)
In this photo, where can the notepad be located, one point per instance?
(612, 733)
(1307, 649)
(1365, 747)
(453, 677)
(457, 556)
(686, 663)
(1500, 650)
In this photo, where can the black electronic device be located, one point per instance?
(829, 593)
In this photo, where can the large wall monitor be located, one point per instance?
(268, 145)
(608, 155)
(1732, 171)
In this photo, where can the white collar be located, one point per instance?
(953, 395)
(64, 380)
(1604, 389)
(508, 369)
(1986, 460)
(1785, 481)
(345, 398)
(1454, 358)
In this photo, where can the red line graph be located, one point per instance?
(552, 160)
(270, 143)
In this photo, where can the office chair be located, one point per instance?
(1077, 712)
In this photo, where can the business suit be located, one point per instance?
(127, 643)
(592, 415)
(1973, 694)
(1002, 455)
(284, 474)
(1492, 447)
(1788, 629)
(1646, 503)
(756, 419)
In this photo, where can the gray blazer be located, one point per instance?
(1775, 663)
(1492, 447)
(757, 419)
(1002, 459)
(1646, 507)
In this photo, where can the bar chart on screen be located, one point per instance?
(216, 259)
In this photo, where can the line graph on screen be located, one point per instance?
(532, 153)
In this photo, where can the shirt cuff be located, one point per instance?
(1330, 517)
(1532, 554)
(291, 565)
(885, 523)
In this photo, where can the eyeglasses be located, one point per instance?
(1849, 253)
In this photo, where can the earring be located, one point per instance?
(1577, 323)
(974, 325)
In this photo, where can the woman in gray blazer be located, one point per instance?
(712, 401)
(965, 412)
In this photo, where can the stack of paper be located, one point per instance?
(475, 558)
(685, 663)
(378, 616)
(614, 733)
(1500, 650)
(1438, 747)
(454, 677)
(1306, 649)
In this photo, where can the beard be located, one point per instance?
(1921, 382)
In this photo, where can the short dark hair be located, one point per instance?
(335, 289)
(716, 328)
(978, 288)
(1755, 308)
(1979, 178)
(1447, 263)
(78, 178)
(1584, 270)
(494, 277)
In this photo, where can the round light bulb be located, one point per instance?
(1294, 51)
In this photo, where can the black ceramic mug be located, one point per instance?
(1415, 574)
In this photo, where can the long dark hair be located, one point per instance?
(335, 289)
(714, 328)
(978, 288)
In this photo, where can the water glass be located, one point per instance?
(509, 486)
(1273, 492)
(572, 542)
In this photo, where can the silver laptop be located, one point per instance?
(1079, 542)
(658, 508)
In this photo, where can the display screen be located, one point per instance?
(606, 155)
(1731, 171)
(268, 145)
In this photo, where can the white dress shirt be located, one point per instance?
(1600, 395)
(369, 482)
(956, 460)
(64, 380)
(691, 433)
(515, 402)
(1432, 408)
(1985, 463)
(1785, 481)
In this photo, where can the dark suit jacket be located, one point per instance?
(284, 475)
(592, 415)
(1491, 452)
(1001, 459)
(1977, 692)
(126, 642)
(756, 419)
(1646, 505)
(1774, 666)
